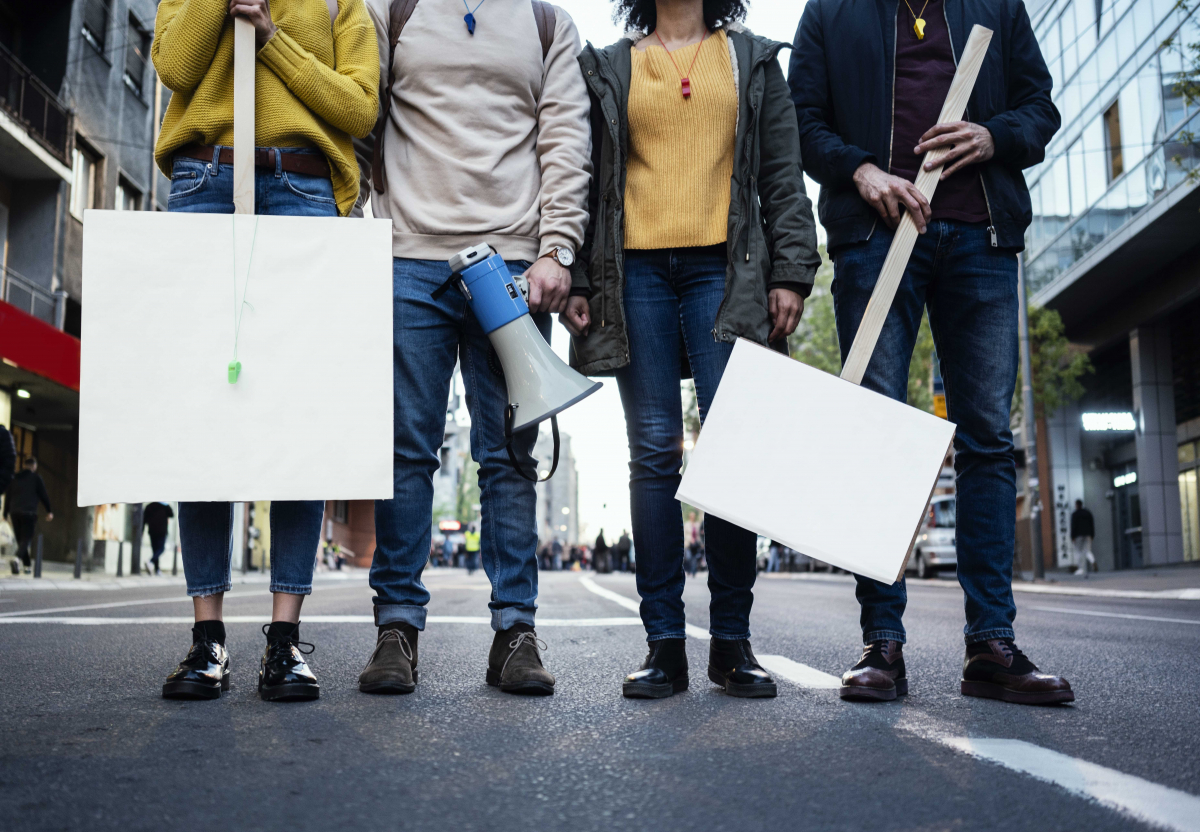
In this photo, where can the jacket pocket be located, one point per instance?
(188, 176)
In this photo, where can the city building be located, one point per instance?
(79, 101)
(558, 497)
(1114, 248)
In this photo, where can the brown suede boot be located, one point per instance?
(514, 664)
(392, 668)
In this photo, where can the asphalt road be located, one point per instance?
(87, 743)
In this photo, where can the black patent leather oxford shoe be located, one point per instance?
(731, 664)
(202, 675)
(662, 674)
(283, 675)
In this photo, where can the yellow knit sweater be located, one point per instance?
(301, 100)
(680, 149)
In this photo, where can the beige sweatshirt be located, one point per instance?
(484, 142)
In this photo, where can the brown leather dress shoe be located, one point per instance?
(878, 676)
(997, 669)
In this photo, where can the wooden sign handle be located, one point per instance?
(244, 56)
(906, 232)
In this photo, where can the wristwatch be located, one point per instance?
(563, 256)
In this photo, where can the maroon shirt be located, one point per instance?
(924, 69)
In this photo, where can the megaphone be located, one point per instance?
(540, 385)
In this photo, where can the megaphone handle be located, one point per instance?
(509, 413)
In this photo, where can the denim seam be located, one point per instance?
(229, 547)
(883, 635)
(723, 637)
(988, 635)
(271, 524)
(203, 591)
(291, 589)
(664, 636)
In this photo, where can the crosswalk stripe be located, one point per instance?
(1099, 614)
(81, 620)
(630, 604)
(800, 674)
(1137, 798)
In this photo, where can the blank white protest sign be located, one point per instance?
(310, 417)
(817, 463)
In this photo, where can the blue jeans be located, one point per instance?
(430, 335)
(206, 529)
(671, 301)
(970, 289)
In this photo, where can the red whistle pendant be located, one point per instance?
(686, 87)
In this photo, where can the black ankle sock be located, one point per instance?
(283, 631)
(209, 631)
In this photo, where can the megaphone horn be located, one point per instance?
(540, 385)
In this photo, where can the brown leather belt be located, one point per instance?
(264, 157)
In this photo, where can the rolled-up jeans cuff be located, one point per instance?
(988, 635)
(883, 635)
(507, 617)
(203, 591)
(665, 636)
(726, 637)
(400, 614)
(291, 589)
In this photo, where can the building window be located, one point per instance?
(83, 182)
(341, 511)
(137, 47)
(128, 198)
(1112, 141)
(95, 23)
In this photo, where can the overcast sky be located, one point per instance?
(597, 425)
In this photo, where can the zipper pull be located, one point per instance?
(992, 234)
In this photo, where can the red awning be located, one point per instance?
(34, 345)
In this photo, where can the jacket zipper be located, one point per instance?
(892, 129)
(991, 229)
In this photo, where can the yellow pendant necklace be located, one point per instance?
(918, 20)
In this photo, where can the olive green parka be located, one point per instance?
(771, 239)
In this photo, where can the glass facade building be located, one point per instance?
(1125, 139)
(1114, 248)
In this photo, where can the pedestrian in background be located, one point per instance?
(472, 548)
(309, 106)
(156, 518)
(699, 233)
(691, 543)
(869, 80)
(601, 555)
(1083, 530)
(8, 466)
(21, 506)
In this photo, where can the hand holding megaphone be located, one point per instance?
(540, 385)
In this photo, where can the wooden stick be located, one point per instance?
(906, 232)
(244, 56)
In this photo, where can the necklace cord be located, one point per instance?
(240, 308)
(694, 57)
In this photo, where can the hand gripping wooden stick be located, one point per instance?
(906, 233)
(244, 57)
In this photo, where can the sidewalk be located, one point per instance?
(1181, 582)
(59, 576)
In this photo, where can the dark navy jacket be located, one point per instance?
(841, 80)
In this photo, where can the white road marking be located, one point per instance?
(1132, 796)
(1099, 614)
(800, 674)
(81, 620)
(630, 604)
(1188, 594)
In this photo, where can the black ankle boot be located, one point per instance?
(663, 673)
(283, 675)
(731, 664)
(205, 671)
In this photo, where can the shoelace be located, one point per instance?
(300, 645)
(391, 635)
(515, 644)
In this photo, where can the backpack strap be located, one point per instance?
(543, 15)
(399, 11)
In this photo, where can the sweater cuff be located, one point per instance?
(851, 160)
(1004, 139)
(798, 279)
(284, 56)
(549, 242)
